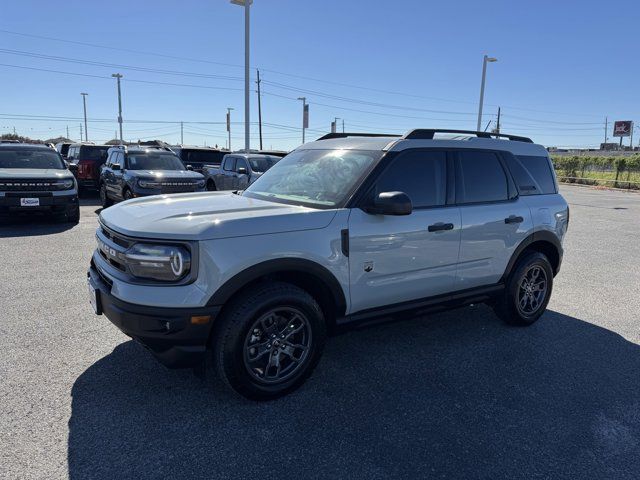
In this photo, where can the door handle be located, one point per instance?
(437, 227)
(513, 219)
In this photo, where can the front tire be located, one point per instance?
(211, 186)
(527, 290)
(127, 195)
(268, 341)
(73, 216)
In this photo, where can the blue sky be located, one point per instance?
(379, 65)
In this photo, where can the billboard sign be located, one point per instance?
(622, 128)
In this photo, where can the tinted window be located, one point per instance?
(98, 154)
(480, 178)
(532, 174)
(241, 163)
(420, 174)
(28, 158)
(262, 164)
(154, 161)
(229, 163)
(203, 157)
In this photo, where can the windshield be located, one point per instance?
(27, 158)
(154, 161)
(262, 164)
(316, 178)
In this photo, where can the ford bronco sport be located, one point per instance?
(35, 179)
(344, 229)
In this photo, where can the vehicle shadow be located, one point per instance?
(32, 225)
(453, 395)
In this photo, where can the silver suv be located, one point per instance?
(346, 229)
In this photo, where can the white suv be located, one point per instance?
(345, 229)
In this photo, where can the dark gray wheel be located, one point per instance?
(127, 195)
(527, 290)
(277, 344)
(268, 340)
(104, 197)
(211, 186)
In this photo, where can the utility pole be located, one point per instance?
(498, 122)
(84, 105)
(81, 132)
(305, 115)
(67, 131)
(343, 125)
(229, 125)
(606, 128)
(259, 109)
(334, 125)
(118, 76)
(181, 133)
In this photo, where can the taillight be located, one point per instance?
(85, 168)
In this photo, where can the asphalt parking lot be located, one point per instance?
(451, 395)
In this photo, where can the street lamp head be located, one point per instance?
(492, 59)
(116, 75)
(241, 2)
(84, 93)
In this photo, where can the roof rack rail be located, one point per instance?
(329, 136)
(428, 134)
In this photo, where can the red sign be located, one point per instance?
(622, 128)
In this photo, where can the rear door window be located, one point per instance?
(421, 174)
(480, 178)
(533, 174)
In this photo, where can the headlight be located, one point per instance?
(200, 183)
(64, 184)
(158, 262)
(148, 184)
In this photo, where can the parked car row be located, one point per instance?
(61, 172)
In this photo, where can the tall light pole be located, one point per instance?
(118, 76)
(229, 125)
(84, 104)
(247, 98)
(304, 115)
(485, 60)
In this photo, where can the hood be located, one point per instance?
(160, 174)
(209, 215)
(53, 173)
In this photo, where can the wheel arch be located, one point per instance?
(544, 242)
(312, 277)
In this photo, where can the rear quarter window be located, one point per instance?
(533, 174)
(97, 154)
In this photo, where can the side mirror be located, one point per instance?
(115, 166)
(390, 203)
(189, 167)
(242, 171)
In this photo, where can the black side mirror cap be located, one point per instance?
(242, 171)
(115, 166)
(189, 167)
(390, 203)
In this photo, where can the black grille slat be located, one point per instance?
(35, 185)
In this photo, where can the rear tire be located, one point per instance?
(527, 290)
(268, 341)
(104, 197)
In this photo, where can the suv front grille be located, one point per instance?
(115, 238)
(35, 185)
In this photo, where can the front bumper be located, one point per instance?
(168, 333)
(48, 202)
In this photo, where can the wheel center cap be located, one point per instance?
(276, 343)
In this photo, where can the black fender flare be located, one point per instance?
(540, 236)
(279, 265)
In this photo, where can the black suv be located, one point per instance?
(198, 157)
(140, 171)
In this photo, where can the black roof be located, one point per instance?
(25, 146)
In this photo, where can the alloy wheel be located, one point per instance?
(532, 291)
